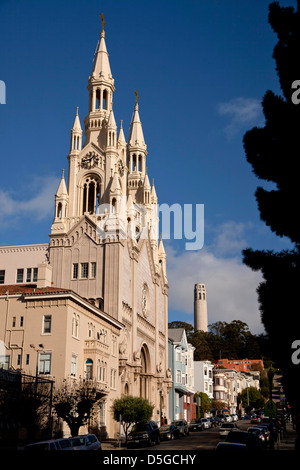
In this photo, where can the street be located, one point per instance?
(198, 440)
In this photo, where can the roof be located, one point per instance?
(30, 289)
(175, 334)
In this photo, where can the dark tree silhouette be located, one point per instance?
(273, 152)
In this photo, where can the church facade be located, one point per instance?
(104, 243)
(104, 237)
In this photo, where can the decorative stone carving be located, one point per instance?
(137, 355)
(121, 168)
(145, 301)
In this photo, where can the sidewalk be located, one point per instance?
(287, 442)
(111, 444)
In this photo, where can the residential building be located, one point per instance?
(55, 333)
(204, 377)
(228, 385)
(241, 365)
(181, 396)
(19, 264)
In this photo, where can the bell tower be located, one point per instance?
(104, 242)
(101, 89)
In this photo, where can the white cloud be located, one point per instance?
(39, 206)
(242, 112)
(230, 285)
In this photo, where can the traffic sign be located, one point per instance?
(270, 409)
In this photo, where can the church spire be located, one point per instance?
(136, 136)
(101, 62)
(76, 134)
(101, 89)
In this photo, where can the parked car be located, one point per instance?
(53, 444)
(227, 419)
(218, 420)
(206, 423)
(143, 434)
(221, 417)
(266, 429)
(182, 425)
(213, 421)
(231, 446)
(226, 427)
(247, 417)
(234, 417)
(196, 425)
(251, 440)
(169, 431)
(85, 442)
(262, 433)
(255, 419)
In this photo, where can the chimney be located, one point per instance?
(44, 275)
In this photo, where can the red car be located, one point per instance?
(255, 419)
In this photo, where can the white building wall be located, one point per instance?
(203, 372)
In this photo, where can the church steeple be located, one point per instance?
(76, 135)
(101, 62)
(137, 149)
(101, 89)
(136, 136)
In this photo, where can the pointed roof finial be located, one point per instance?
(102, 21)
(136, 97)
(63, 173)
(77, 110)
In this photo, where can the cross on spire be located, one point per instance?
(102, 21)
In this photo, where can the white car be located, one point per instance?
(85, 442)
(226, 427)
(228, 418)
(206, 423)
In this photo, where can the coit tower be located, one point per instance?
(200, 307)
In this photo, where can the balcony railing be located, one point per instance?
(96, 344)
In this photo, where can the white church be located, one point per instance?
(104, 253)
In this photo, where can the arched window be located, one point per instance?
(144, 377)
(75, 325)
(89, 369)
(91, 194)
(114, 205)
(59, 210)
(105, 100)
(98, 98)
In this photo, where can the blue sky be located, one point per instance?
(201, 69)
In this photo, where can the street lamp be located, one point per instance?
(270, 377)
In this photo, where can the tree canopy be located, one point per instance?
(131, 410)
(74, 403)
(273, 152)
(231, 340)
